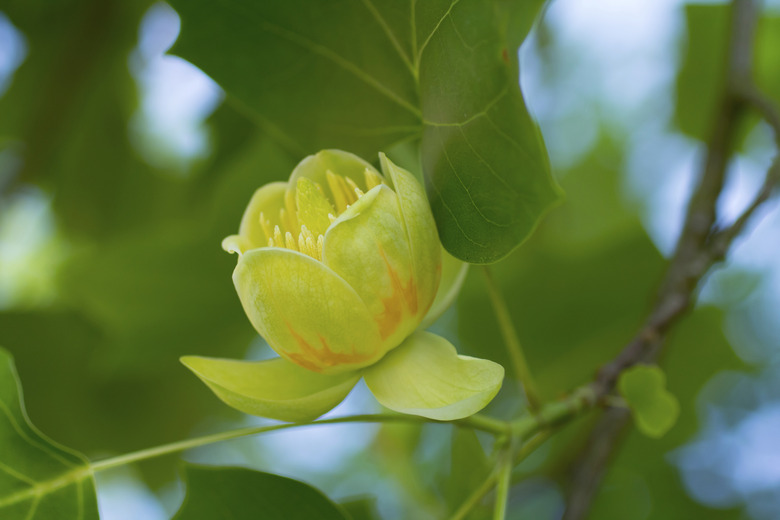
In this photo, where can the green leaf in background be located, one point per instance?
(363, 76)
(39, 479)
(469, 467)
(704, 65)
(243, 494)
(68, 109)
(655, 409)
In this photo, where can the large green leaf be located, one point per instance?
(39, 479)
(239, 493)
(363, 76)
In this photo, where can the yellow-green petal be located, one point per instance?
(268, 200)
(276, 388)
(420, 228)
(315, 167)
(367, 247)
(453, 273)
(306, 312)
(426, 376)
(313, 206)
(237, 244)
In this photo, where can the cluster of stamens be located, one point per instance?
(303, 229)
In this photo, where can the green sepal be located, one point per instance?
(425, 376)
(654, 408)
(277, 388)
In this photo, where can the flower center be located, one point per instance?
(309, 210)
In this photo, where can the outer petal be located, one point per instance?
(306, 312)
(425, 376)
(453, 273)
(268, 199)
(276, 388)
(368, 247)
(339, 162)
(420, 228)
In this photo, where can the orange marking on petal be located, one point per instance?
(318, 359)
(403, 297)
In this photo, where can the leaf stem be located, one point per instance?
(502, 489)
(554, 413)
(476, 422)
(525, 450)
(513, 345)
(485, 424)
(473, 499)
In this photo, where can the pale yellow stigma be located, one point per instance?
(309, 209)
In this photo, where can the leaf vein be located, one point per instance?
(435, 28)
(339, 60)
(16, 474)
(7, 412)
(466, 189)
(489, 167)
(484, 112)
(33, 508)
(43, 488)
(389, 33)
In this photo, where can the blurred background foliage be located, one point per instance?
(122, 168)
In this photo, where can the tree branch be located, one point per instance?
(699, 247)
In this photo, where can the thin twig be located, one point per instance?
(513, 345)
(475, 422)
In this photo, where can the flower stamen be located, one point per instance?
(301, 222)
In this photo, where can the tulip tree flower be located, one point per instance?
(338, 269)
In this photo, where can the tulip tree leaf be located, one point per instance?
(363, 508)
(655, 409)
(39, 479)
(362, 76)
(239, 493)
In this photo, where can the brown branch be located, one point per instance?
(699, 247)
(591, 467)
